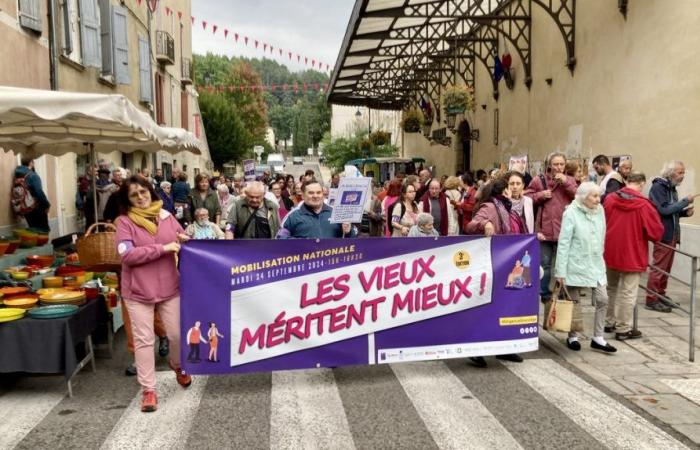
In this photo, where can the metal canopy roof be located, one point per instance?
(397, 50)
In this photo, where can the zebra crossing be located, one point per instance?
(437, 404)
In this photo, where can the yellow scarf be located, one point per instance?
(147, 218)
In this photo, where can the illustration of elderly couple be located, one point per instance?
(194, 338)
(519, 277)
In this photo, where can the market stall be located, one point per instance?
(42, 340)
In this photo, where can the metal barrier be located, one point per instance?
(692, 285)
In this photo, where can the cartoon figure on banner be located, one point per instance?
(213, 336)
(520, 277)
(194, 338)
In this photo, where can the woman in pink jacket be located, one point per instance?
(148, 241)
(551, 193)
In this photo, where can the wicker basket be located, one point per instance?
(99, 249)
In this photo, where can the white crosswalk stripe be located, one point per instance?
(165, 429)
(606, 420)
(307, 411)
(22, 409)
(455, 419)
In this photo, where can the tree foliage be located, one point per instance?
(226, 132)
(339, 151)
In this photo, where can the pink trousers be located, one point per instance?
(141, 315)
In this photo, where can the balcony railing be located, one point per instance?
(186, 71)
(165, 48)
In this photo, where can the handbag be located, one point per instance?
(564, 314)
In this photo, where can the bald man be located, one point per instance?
(253, 216)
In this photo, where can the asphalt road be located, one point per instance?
(541, 403)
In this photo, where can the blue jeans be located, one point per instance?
(548, 251)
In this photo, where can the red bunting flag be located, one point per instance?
(225, 33)
(168, 11)
(306, 60)
(221, 88)
(231, 88)
(272, 49)
(139, 2)
(284, 87)
(256, 44)
(204, 24)
(179, 16)
(298, 57)
(317, 87)
(242, 88)
(290, 55)
(264, 47)
(313, 63)
(192, 17)
(245, 38)
(214, 28)
(235, 35)
(274, 88)
(280, 51)
(305, 87)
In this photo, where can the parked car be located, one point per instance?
(298, 161)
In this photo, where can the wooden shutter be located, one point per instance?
(120, 35)
(106, 25)
(67, 39)
(184, 110)
(90, 33)
(160, 116)
(30, 14)
(146, 87)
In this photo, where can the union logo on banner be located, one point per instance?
(153, 5)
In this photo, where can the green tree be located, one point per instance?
(226, 133)
(339, 151)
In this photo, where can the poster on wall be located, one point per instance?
(518, 163)
(263, 305)
(616, 160)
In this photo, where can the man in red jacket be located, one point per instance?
(632, 221)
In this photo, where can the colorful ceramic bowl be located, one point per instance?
(27, 241)
(20, 276)
(10, 314)
(10, 291)
(14, 245)
(52, 311)
(3, 247)
(52, 282)
(41, 260)
(21, 302)
(42, 239)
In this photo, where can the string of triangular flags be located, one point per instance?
(296, 87)
(240, 39)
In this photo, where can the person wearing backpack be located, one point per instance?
(28, 197)
(404, 212)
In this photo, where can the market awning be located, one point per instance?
(396, 50)
(55, 123)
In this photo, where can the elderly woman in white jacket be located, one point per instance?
(521, 203)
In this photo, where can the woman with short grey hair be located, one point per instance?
(580, 263)
(423, 227)
(165, 194)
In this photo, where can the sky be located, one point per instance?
(312, 28)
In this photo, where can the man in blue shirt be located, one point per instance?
(312, 219)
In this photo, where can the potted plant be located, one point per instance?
(380, 137)
(412, 120)
(458, 99)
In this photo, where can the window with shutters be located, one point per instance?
(30, 15)
(70, 30)
(106, 25)
(90, 42)
(145, 84)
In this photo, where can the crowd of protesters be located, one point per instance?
(592, 235)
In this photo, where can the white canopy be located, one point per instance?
(56, 122)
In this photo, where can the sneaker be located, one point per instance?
(149, 401)
(130, 371)
(658, 306)
(183, 379)
(512, 357)
(608, 329)
(163, 346)
(606, 348)
(631, 334)
(478, 361)
(573, 345)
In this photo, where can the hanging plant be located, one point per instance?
(380, 137)
(458, 99)
(412, 120)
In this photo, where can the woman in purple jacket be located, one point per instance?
(148, 241)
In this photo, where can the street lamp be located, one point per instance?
(358, 114)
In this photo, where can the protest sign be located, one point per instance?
(350, 199)
(249, 169)
(291, 304)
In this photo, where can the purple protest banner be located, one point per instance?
(263, 305)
